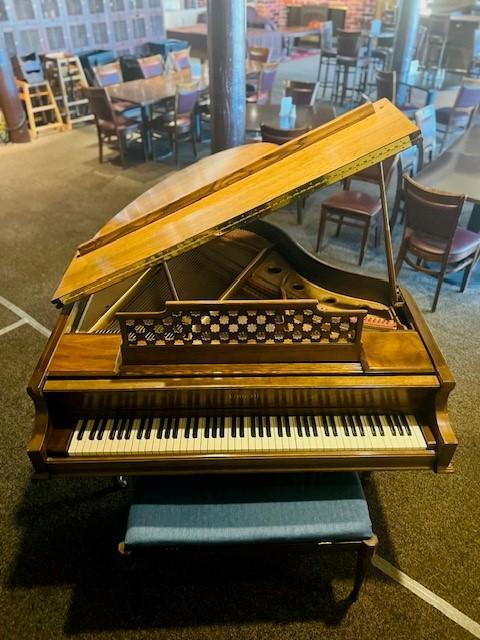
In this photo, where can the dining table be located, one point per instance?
(308, 117)
(457, 170)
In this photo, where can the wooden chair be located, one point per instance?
(107, 74)
(461, 115)
(110, 123)
(152, 66)
(387, 87)
(248, 511)
(280, 136)
(181, 124)
(356, 208)
(432, 235)
(302, 93)
(261, 94)
(259, 54)
(180, 60)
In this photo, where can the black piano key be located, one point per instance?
(305, 426)
(358, 425)
(93, 430)
(241, 426)
(213, 427)
(253, 427)
(221, 427)
(333, 426)
(101, 430)
(121, 428)
(345, 424)
(266, 426)
(176, 425)
(298, 425)
(398, 424)
(391, 424)
(187, 429)
(288, 429)
(128, 429)
(148, 428)
(378, 424)
(404, 422)
(113, 430)
(195, 427)
(233, 430)
(165, 431)
(372, 425)
(280, 427)
(313, 425)
(351, 426)
(141, 428)
(81, 431)
(327, 425)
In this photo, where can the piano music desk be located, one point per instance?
(310, 511)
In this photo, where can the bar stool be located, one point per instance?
(328, 55)
(438, 27)
(348, 64)
(316, 511)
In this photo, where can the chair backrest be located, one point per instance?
(438, 25)
(186, 98)
(468, 95)
(431, 213)
(259, 54)
(99, 103)
(181, 59)
(152, 66)
(302, 93)
(348, 43)
(386, 82)
(426, 121)
(372, 174)
(107, 74)
(326, 34)
(28, 68)
(266, 81)
(280, 136)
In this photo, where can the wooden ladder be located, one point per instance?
(68, 79)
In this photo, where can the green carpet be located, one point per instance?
(60, 573)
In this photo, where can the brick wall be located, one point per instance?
(276, 10)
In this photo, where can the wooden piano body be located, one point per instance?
(193, 338)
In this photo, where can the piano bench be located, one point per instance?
(323, 510)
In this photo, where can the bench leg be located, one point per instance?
(364, 559)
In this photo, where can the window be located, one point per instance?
(3, 11)
(138, 28)
(55, 37)
(29, 41)
(136, 4)
(120, 31)
(74, 7)
(96, 6)
(117, 5)
(24, 10)
(156, 23)
(79, 36)
(10, 43)
(153, 4)
(100, 34)
(50, 9)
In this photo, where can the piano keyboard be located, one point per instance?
(172, 435)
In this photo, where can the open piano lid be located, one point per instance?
(254, 180)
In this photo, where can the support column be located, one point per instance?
(404, 45)
(10, 102)
(226, 57)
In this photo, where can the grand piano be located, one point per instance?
(194, 337)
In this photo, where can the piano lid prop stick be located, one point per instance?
(388, 239)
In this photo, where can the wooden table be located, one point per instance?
(458, 171)
(149, 91)
(310, 117)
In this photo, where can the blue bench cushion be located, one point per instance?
(248, 509)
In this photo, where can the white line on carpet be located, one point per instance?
(13, 326)
(425, 594)
(25, 316)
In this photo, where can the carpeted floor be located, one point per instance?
(60, 573)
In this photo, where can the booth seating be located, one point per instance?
(318, 510)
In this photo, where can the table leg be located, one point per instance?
(474, 222)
